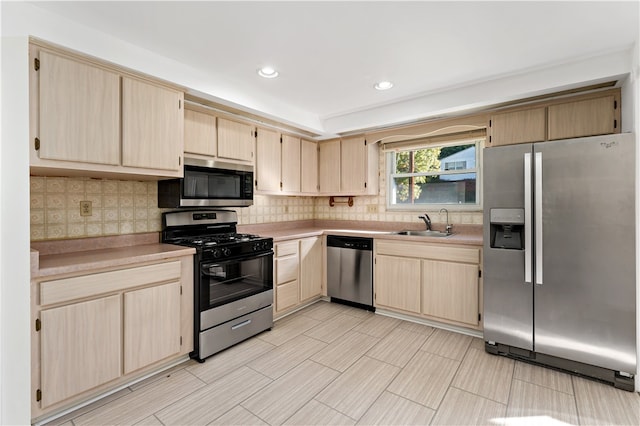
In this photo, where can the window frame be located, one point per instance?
(390, 164)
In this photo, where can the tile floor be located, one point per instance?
(332, 364)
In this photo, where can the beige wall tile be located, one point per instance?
(530, 401)
(463, 408)
(425, 379)
(485, 375)
(357, 388)
(392, 409)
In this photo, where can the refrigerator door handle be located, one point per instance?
(527, 218)
(538, 216)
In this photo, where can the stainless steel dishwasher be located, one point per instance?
(350, 270)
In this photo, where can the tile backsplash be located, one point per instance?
(127, 207)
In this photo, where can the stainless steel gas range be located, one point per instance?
(233, 277)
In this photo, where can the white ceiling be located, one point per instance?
(330, 54)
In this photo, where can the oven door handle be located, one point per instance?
(208, 264)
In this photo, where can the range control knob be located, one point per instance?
(216, 253)
(256, 247)
(226, 251)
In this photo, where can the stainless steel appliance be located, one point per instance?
(350, 270)
(208, 183)
(559, 255)
(233, 277)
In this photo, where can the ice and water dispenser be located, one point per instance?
(507, 229)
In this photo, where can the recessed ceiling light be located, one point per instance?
(267, 72)
(383, 85)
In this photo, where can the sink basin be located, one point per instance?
(424, 233)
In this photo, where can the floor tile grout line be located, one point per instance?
(575, 400)
(478, 395)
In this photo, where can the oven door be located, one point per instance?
(228, 280)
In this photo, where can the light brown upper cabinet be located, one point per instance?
(152, 122)
(235, 140)
(79, 110)
(279, 160)
(200, 134)
(290, 163)
(348, 167)
(590, 114)
(309, 167)
(588, 117)
(329, 166)
(93, 119)
(515, 127)
(268, 163)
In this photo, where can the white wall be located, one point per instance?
(14, 229)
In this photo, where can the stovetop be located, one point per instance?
(212, 233)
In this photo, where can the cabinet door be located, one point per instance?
(81, 347)
(310, 268)
(286, 295)
(397, 283)
(152, 126)
(200, 135)
(588, 117)
(330, 167)
(290, 164)
(79, 111)
(235, 140)
(151, 325)
(268, 160)
(308, 167)
(450, 291)
(353, 166)
(518, 127)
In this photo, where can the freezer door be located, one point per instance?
(585, 304)
(508, 299)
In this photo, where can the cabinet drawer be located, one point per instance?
(90, 285)
(286, 249)
(436, 252)
(286, 295)
(286, 269)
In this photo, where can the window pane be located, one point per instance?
(449, 189)
(426, 160)
(403, 162)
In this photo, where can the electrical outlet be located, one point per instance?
(372, 208)
(85, 208)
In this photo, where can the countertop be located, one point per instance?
(462, 234)
(70, 256)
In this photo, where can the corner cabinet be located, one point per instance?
(297, 273)
(440, 282)
(94, 332)
(91, 118)
(348, 166)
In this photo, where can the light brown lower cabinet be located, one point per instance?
(434, 281)
(95, 331)
(297, 273)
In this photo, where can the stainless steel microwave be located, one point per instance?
(208, 183)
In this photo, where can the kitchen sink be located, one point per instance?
(423, 233)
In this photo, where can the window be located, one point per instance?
(434, 175)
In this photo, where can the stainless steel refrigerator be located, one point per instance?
(559, 255)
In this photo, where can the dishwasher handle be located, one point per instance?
(346, 242)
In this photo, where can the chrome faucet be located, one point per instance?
(448, 225)
(427, 220)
